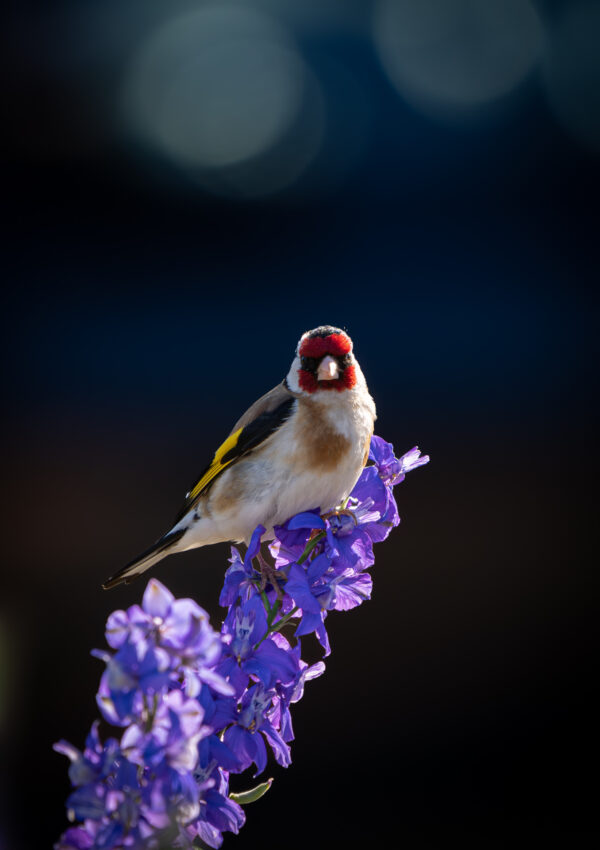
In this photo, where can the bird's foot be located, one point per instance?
(341, 512)
(269, 575)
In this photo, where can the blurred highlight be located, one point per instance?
(252, 99)
(219, 87)
(449, 56)
(571, 71)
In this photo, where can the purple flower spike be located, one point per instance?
(175, 731)
(192, 705)
(250, 652)
(240, 580)
(243, 738)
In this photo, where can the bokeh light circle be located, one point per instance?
(214, 87)
(446, 56)
(571, 72)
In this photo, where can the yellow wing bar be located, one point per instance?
(216, 465)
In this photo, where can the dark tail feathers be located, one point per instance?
(144, 561)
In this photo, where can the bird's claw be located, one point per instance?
(341, 512)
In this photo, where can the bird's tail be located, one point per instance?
(144, 561)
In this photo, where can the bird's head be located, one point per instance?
(324, 361)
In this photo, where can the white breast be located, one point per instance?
(273, 483)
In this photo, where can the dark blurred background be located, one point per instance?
(191, 185)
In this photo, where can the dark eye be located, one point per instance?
(344, 361)
(309, 363)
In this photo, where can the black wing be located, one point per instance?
(238, 444)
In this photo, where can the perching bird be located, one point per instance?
(301, 446)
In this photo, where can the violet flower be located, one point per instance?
(192, 705)
(248, 652)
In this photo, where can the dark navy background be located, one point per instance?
(143, 314)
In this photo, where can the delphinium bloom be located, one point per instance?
(193, 705)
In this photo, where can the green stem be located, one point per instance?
(150, 712)
(272, 612)
(278, 625)
(310, 546)
(284, 620)
(265, 600)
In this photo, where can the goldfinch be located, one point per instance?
(301, 446)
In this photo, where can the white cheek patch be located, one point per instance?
(292, 376)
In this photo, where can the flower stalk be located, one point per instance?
(192, 706)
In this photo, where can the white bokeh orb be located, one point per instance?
(452, 56)
(214, 87)
(571, 72)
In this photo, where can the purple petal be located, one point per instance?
(67, 749)
(237, 580)
(356, 549)
(256, 607)
(225, 710)
(353, 591)
(254, 545)
(216, 682)
(260, 759)
(310, 622)
(298, 588)
(87, 802)
(77, 838)
(323, 637)
(371, 489)
(209, 834)
(316, 568)
(221, 753)
(412, 459)
(308, 519)
(178, 621)
(278, 745)
(243, 745)
(117, 628)
(271, 664)
(377, 532)
(230, 670)
(157, 599)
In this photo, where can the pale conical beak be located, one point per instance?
(328, 369)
